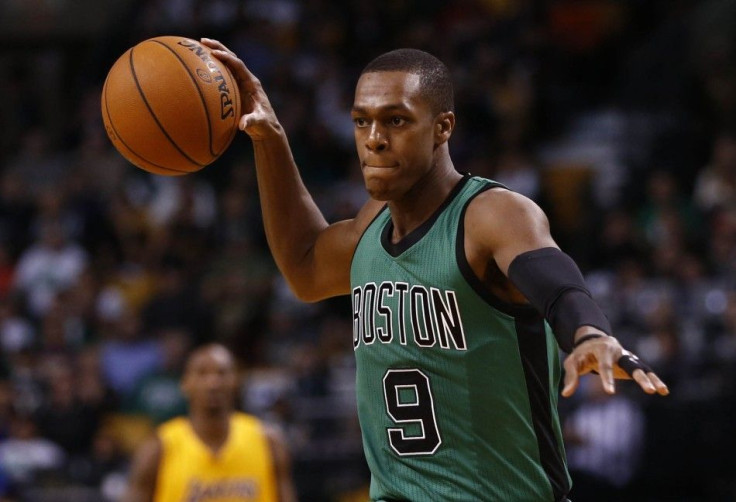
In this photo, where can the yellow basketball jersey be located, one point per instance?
(242, 470)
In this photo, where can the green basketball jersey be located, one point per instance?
(457, 390)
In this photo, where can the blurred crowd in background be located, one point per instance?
(617, 116)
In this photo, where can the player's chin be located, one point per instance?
(378, 196)
(379, 189)
(215, 409)
(215, 401)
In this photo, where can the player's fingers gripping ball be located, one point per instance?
(169, 106)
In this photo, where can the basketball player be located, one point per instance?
(215, 454)
(460, 296)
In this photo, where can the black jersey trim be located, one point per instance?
(395, 249)
(512, 309)
(530, 333)
(373, 220)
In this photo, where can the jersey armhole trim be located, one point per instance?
(378, 214)
(511, 309)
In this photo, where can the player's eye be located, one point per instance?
(360, 122)
(397, 121)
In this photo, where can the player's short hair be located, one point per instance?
(434, 76)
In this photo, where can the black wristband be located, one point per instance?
(553, 283)
(585, 338)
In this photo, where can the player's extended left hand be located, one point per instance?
(611, 361)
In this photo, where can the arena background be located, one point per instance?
(617, 116)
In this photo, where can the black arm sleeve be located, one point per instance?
(552, 283)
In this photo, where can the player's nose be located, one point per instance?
(376, 141)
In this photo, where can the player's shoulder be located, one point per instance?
(245, 418)
(177, 430)
(351, 231)
(496, 216)
(245, 423)
(500, 202)
(172, 424)
(367, 213)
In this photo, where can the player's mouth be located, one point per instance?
(380, 166)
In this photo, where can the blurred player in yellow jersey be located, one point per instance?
(215, 454)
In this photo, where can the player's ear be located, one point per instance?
(443, 127)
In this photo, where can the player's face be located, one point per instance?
(394, 133)
(210, 380)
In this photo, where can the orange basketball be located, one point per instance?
(169, 106)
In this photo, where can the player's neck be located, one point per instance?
(211, 428)
(423, 199)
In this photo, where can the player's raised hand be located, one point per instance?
(606, 356)
(259, 120)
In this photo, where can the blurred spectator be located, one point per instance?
(25, 376)
(176, 303)
(722, 244)
(235, 219)
(100, 170)
(38, 155)
(16, 213)
(667, 218)
(663, 347)
(5, 484)
(64, 418)
(103, 467)
(722, 350)
(237, 287)
(25, 455)
(127, 355)
(604, 436)
(712, 53)
(91, 388)
(7, 402)
(619, 240)
(16, 332)
(158, 395)
(715, 186)
(129, 283)
(52, 264)
(183, 200)
(7, 271)
(518, 172)
(60, 333)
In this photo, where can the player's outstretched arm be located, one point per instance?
(512, 231)
(143, 472)
(313, 256)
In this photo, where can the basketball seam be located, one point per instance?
(120, 138)
(199, 91)
(153, 115)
